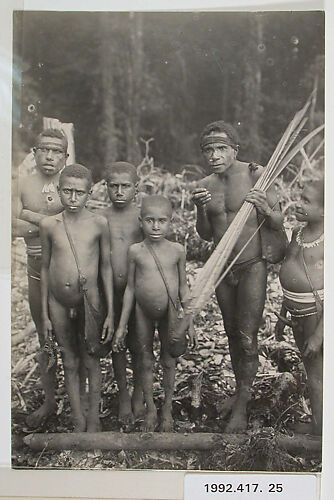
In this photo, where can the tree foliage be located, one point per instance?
(122, 76)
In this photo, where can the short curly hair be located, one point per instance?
(221, 126)
(52, 132)
(78, 171)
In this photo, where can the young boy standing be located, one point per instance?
(302, 280)
(123, 219)
(156, 281)
(75, 244)
(38, 198)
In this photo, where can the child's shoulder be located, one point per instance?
(136, 248)
(50, 221)
(97, 219)
(176, 247)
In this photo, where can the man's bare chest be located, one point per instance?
(227, 200)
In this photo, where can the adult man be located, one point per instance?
(241, 294)
(37, 198)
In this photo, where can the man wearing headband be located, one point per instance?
(242, 292)
(38, 198)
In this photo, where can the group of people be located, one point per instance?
(101, 282)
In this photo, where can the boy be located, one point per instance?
(122, 216)
(38, 198)
(156, 280)
(241, 295)
(74, 244)
(302, 280)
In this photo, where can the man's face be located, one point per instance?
(50, 155)
(121, 189)
(310, 207)
(219, 156)
(155, 222)
(74, 193)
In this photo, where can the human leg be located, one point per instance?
(303, 329)
(125, 415)
(47, 376)
(168, 365)
(66, 331)
(145, 332)
(226, 297)
(251, 292)
(137, 399)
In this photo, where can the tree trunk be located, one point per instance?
(135, 80)
(116, 441)
(108, 63)
(252, 110)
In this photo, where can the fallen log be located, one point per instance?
(21, 336)
(117, 441)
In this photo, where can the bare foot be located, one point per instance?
(138, 406)
(167, 423)
(125, 415)
(238, 421)
(225, 407)
(93, 424)
(79, 424)
(41, 415)
(150, 422)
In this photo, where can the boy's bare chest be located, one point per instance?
(168, 261)
(127, 231)
(85, 237)
(41, 199)
(313, 256)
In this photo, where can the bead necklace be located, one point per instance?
(310, 244)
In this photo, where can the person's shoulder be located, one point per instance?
(206, 181)
(254, 169)
(177, 247)
(135, 249)
(50, 221)
(98, 219)
(26, 182)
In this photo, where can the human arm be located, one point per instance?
(266, 202)
(184, 294)
(107, 279)
(313, 344)
(201, 196)
(21, 228)
(46, 255)
(281, 323)
(128, 303)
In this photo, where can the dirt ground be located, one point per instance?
(279, 396)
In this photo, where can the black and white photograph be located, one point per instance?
(167, 247)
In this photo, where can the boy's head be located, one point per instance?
(122, 180)
(220, 145)
(50, 151)
(75, 184)
(310, 207)
(155, 216)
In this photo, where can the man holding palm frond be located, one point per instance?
(241, 294)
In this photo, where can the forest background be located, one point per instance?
(122, 76)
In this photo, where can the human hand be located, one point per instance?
(46, 328)
(259, 198)
(279, 330)
(118, 343)
(312, 346)
(107, 330)
(192, 336)
(201, 196)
